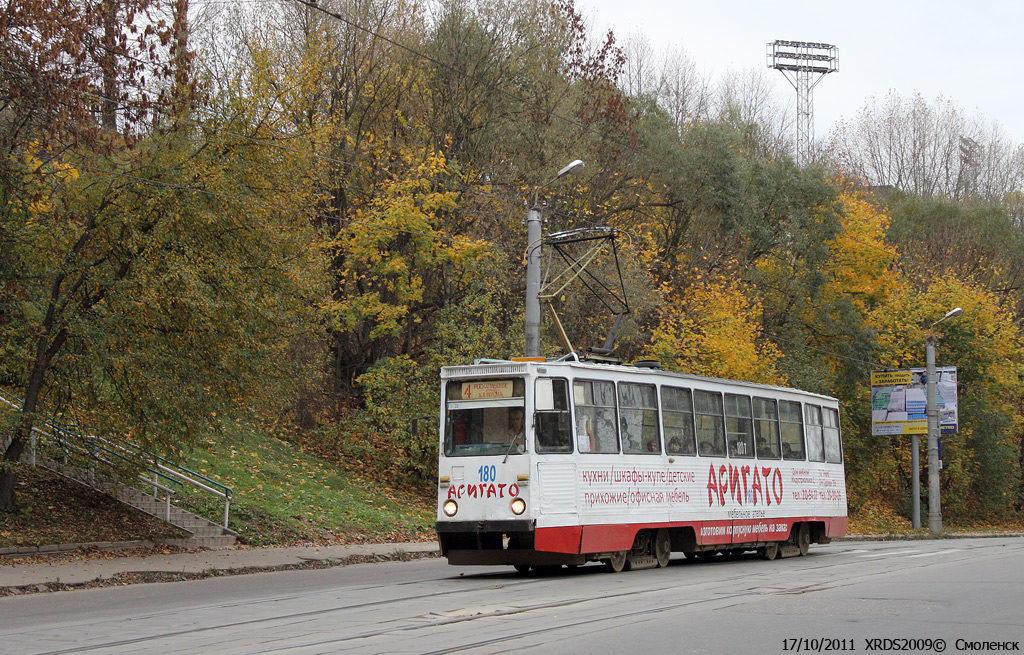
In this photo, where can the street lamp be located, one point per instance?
(934, 504)
(533, 235)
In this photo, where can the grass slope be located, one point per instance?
(281, 497)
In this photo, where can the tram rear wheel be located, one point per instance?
(617, 562)
(803, 538)
(662, 547)
(770, 551)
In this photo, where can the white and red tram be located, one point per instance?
(626, 464)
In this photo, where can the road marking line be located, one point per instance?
(938, 552)
(890, 552)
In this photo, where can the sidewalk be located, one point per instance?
(40, 570)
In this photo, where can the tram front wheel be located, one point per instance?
(617, 562)
(770, 551)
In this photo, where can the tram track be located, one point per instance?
(485, 582)
(603, 619)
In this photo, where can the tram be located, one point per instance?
(564, 462)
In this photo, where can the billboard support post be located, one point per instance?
(915, 479)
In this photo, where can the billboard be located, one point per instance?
(899, 401)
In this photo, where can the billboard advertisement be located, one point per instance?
(899, 401)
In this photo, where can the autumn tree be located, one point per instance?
(927, 149)
(159, 279)
(715, 330)
(981, 472)
(978, 241)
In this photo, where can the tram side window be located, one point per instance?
(710, 421)
(552, 427)
(833, 445)
(638, 418)
(739, 433)
(812, 424)
(595, 416)
(792, 427)
(677, 421)
(766, 428)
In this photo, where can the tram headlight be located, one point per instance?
(450, 507)
(518, 506)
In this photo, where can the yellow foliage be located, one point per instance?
(394, 241)
(860, 260)
(904, 323)
(712, 329)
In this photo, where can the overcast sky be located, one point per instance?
(969, 52)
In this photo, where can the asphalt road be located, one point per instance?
(913, 596)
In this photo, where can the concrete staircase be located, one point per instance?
(204, 533)
(111, 465)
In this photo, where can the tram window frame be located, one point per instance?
(832, 435)
(677, 423)
(598, 423)
(709, 421)
(813, 433)
(791, 430)
(739, 428)
(552, 424)
(630, 393)
(766, 427)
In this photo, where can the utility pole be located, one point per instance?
(533, 252)
(934, 504)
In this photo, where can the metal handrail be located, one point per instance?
(162, 469)
(224, 488)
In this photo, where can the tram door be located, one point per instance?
(556, 468)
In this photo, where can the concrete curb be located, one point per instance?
(56, 549)
(17, 573)
(895, 536)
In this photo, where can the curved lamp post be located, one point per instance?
(934, 504)
(533, 235)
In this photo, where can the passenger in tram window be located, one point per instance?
(675, 445)
(516, 433)
(586, 439)
(461, 429)
(652, 446)
(787, 451)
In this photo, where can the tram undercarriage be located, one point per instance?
(486, 543)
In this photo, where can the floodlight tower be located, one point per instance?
(804, 65)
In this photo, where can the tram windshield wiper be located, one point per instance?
(512, 445)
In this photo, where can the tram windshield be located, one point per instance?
(485, 417)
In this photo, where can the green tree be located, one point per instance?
(981, 475)
(159, 282)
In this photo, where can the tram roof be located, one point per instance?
(496, 367)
